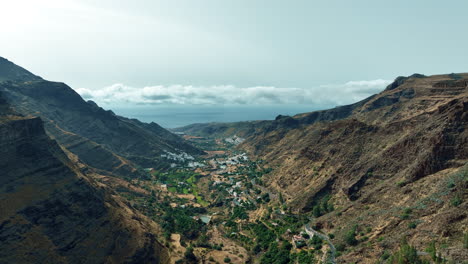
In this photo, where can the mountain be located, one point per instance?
(393, 165)
(98, 137)
(11, 71)
(54, 213)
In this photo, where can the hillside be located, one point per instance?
(11, 71)
(392, 165)
(107, 141)
(53, 213)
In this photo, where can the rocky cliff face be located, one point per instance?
(396, 150)
(98, 137)
(52, 213)
(403, 150)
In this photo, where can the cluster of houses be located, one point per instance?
(225, 163)
(182, 157)
(234, 140)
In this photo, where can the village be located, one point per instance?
(216, 208)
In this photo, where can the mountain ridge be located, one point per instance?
(108, 142)
(393, 160)
(52, 213)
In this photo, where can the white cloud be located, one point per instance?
(331, 94)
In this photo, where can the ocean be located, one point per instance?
(178, 116)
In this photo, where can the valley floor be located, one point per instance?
(216, 209)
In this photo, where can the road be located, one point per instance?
(309, 230)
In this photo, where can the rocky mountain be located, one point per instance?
(51, 212)
(98, 137)
(11, 71)
(393, 165)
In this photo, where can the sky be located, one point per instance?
(243, 52)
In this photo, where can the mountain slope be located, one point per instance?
(52, 213)
(11, 71)
(393, 165)
(100, 138)
(394, 160)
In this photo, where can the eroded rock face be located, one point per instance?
(394, 150)
(51, 213)
(72, 121)
(98, 137)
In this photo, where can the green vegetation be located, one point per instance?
(277, 254)
(433, 253)
(465, 240)
(264, 236)
(316, 242)
(456, 201)
(179, 220)
(401, 183)
(181, 181)
(385, 255)
(350, 236)
(323, 206)
(407, 254)
(189, 256)
(406, 213)
(303, 257)
(412, 225)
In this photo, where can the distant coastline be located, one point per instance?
(172, 117)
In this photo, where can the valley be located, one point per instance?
(393, 167)
(217, 208)
(383, 180)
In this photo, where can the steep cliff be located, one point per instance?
(52, 213)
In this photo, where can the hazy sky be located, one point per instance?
(201, 51)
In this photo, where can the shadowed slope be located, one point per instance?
(51, 213)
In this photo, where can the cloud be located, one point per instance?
(330, 94)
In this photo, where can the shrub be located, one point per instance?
(189, 254)
(406, 254)
(316, 242)
(227, 260)
(412, 225)
(465, 240)
(350, 237)
(456, 201)
(340, 247)
(406, 213)
(385, 255)
(316, 211)
(401, 183)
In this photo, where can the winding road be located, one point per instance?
(309, 230)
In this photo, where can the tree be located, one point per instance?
(350, 236)
(407, 254)
(316, 211)
(189, 255)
